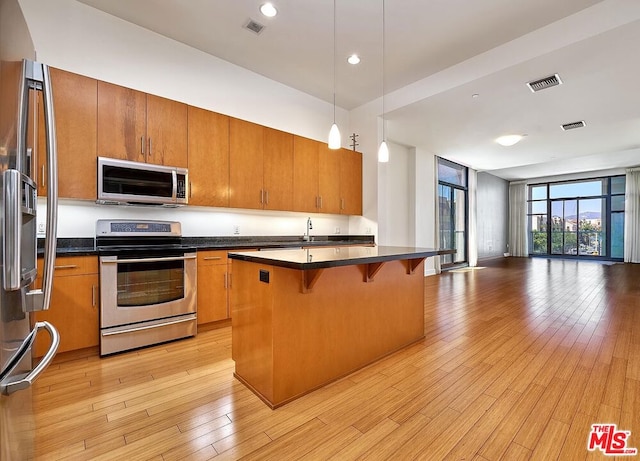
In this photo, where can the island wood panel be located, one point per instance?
(278, 170)
(287, 343)
(208, 158)
(166, 132)
(122, 122)
(305, 174)
(328, 179)
(246, 141)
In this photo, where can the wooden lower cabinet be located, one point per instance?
(213, 286)
(74, 304)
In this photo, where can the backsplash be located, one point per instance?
(78, 219)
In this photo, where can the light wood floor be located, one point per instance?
(520, 358)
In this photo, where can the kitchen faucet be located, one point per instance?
(307, 236)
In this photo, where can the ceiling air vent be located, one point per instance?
(254, 26)
(544, 83)
(573, 125)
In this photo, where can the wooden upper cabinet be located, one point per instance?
(166, 132)
(122, 122)
(350, 182)
(136, 126)
(246, 141)
(75, 108)
(208, 158)
(328, 179)
(305, 174)
(278, 170)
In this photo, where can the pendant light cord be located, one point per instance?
(334, 61)
(383, 43)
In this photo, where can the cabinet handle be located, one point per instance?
(342, 204)
(267, 197)
(149, 147)
(225, 280)
(93, 295)
(320, 201)
(66, 266)
(230, 280)
(212, 258)
(190, 189)
(261, 196)
(142, 145)
(44, 177)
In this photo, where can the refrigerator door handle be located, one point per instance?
(24, 381)
(39, 300)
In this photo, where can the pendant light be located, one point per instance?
(334, 132)
(383, 150)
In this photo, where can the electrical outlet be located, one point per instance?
(337, 230)
(367, 230)
(236, 230)
(41, 228)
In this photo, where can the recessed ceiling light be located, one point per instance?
(353, 59)
(268, 10)
(509, 140)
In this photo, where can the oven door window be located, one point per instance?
(148, 283)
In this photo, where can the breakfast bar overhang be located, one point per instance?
(303, 318)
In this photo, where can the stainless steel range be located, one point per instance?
(147, 284)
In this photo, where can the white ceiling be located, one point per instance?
(437, 54)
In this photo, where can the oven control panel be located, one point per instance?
(121, 227)
(140, 227)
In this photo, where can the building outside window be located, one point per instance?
(453, 212)
(583, 218)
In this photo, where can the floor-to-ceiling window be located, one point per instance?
(582, 218)
(452, 199)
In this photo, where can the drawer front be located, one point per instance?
(72, 265)
(212, 257)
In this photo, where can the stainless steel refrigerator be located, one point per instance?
(25, 98)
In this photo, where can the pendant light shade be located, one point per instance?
(334, 132)
(383, 152)
(334, 137)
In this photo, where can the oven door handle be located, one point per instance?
(147, 260)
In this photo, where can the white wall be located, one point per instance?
(75, 37)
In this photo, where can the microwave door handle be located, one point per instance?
(174, 190)
(38, 300)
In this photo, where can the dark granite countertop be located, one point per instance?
(322, 258)
(86, 246)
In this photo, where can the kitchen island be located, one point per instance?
(303, 318)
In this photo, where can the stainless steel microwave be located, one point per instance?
(121, 182)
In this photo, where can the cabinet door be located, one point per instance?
(350, 182)
(122, 122)
(75, 101)
(328, 179)
(245, 164)
(208, 158)
(74, 304)
(278, 170)
(213, 283)
(305, 174)
(166, 132)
